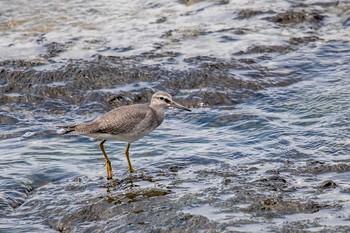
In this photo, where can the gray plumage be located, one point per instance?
(126, 123)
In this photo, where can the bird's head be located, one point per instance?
(163, 99)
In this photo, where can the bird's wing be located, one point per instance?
(117, 121)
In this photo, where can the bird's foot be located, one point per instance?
(109, 170)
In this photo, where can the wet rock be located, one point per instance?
(248, 13)
(303, 40)
(174, 168)
(7, 120)
(276, 205)
(314, 167)
(123, 49)
(137, 209)
(297, 17)
(323, 168)
(14, 197)
(275, 183)
(19, 64)
(267, 49)
(53, 49)
(141, 194)
(161, 20)
(325, 4)
(192, 2)
(298, 226)
(141, 202)
(83, 83)
(328, 184)
(166, 54)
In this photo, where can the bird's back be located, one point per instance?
(126, 123)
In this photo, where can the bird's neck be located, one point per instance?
(159, 113)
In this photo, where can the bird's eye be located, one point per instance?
(161, 98)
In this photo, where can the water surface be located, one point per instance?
(266, 147)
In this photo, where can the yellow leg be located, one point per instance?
(128, 159)
(108, 163)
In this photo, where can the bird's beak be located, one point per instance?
(176, 105)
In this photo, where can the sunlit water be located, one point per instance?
(123, 28)
(303, 123)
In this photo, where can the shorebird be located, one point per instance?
(126, 123)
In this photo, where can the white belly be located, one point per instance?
(122, 138)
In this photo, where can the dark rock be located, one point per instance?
(297, 17)
(328, 184)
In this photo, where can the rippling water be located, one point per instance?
(217, 152)
(301, 123)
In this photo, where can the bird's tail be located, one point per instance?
(66, 129)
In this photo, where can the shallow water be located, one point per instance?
(276, 161)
